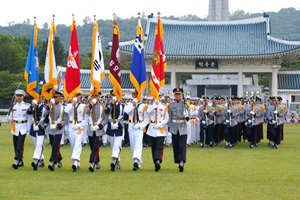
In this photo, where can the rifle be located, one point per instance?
(13, 100)
(229, 113)
(275, 115)
(205, 110)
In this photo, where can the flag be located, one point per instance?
(97, 66)
(31, 73)
(50, 71)
(138, 65)
(114, 66)
(159, 64)
(72, 76)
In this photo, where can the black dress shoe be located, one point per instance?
(15, 166)
(75, 168)
(91, 169)
(180, 168)
(135, 166)
(51, 167)
(34, 166)
(112, 167)
(157, 167)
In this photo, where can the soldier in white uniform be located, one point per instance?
(158, 117)
(37, 112)
(95, 113)
(57, 122)
(137, 121)
(178, 116)
(77, 122)
(20, 126)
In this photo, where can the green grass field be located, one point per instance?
(210, 173)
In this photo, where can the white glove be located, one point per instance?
(229, 111)
(273, 121)
(114, 126)
(227, 121)
(34, 102)
(52, 101)
(76, 126)
(252, 113)
(203, 122)
(94, 101)
(157, 126)
(8, 119)
(74, 99)
(94, 128)
(35, 127)
(275, 112)
(53, 126)
(249, 121)
(136, 126)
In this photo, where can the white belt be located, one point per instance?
(177, 121)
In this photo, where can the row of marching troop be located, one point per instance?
(101, 117)
(215, 120)
(177, 120)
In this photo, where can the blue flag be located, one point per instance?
(138, 65)
(31, 74)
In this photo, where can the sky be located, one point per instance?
(20, 10)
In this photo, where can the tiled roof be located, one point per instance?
(106, 84)
(216, 39)
(289, 80)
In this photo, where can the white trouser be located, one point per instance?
(75, 144)
(38, 143)
(85, 136)
(116, 146)
(136, 143)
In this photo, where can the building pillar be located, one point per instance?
(274, 80)
(240, 91)
(173, 78)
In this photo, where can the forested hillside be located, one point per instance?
(285, 25)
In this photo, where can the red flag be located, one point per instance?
(72, 77)
(114, 66)
(159, 64)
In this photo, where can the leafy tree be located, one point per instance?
(9, 82)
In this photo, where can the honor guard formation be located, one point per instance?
(178, 121)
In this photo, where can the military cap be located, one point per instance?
(177, 90)
(78, 93)
(205, 98)
(214, 98)
(20, 92)
(57, 94)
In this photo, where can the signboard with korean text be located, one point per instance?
(204, 64)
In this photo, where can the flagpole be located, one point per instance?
(94, 23)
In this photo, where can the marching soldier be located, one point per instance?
(158, 117)
(113, 118)
(178, 116)
(20, 126)
(231, 122)
(37, 111)
(219, 127)
(137, 121)
(253, 115)
(77, 122)
(95, 113)
(281, 119)
(206, 117)
(57, 121)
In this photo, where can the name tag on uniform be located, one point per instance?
(174, 113)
